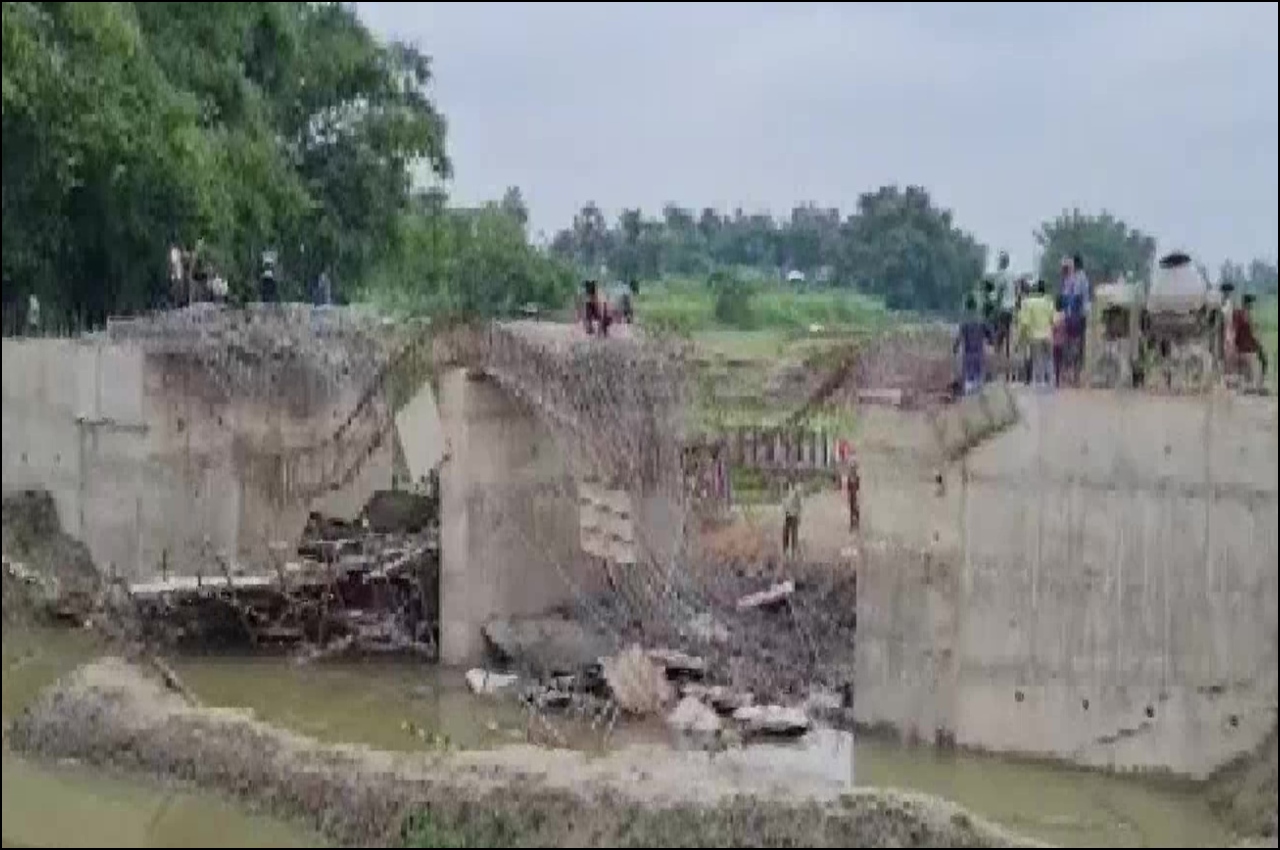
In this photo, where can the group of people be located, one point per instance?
(1040, 337)
(597, 314)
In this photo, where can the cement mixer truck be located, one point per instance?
(1166, 334)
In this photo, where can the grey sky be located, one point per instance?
(1165, 114)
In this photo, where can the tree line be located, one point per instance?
(289, 127)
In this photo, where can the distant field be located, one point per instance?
(784, 326)
(774, 314)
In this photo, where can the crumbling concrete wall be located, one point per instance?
(1097, 583)
(149, 452)
(509, 516)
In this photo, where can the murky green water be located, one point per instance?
(404, 706)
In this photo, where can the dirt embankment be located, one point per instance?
(47, 573)
(110, 714)
(1244, 794)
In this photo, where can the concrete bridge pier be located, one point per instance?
(509, 519)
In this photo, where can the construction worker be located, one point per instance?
(791, 519)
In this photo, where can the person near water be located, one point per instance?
(1035, 327)
(791, 518)
(971, 342)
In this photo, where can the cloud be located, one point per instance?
(1164, 113)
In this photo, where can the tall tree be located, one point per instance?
(129, 127)
(900, 246)
(1109, 247)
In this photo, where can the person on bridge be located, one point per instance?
(595, 311)
(1035, 326)
(791, 519)
(1246, 342)
(971, 341)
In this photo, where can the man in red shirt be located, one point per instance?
(1242, 329)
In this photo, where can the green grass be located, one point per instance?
(777, 312)
(1264, 318)
(786, 325)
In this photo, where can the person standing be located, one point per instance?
(791, 519)
(853, 486)
(1006, 298)
(1248, 349)
(1059, 339)
(1035, 326)
(1077, 312)
(971, 341)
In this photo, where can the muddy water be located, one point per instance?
(71, 806)
(408, 707)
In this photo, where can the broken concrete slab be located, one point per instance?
(767, 598)
(722, 699)
(691, 715)
(399, 512)
(773, 720)
(638, 684)
(487, 682)
(546, 646)
(705, 628)
(679, 665)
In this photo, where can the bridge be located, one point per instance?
(1087, 576)
(171, 435)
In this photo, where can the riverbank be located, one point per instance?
(109, 714)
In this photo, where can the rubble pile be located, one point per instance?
(370, 585)
(771, 659)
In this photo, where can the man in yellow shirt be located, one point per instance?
(1035, 328)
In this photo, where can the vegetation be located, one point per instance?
(288, 127)
(897, 245)
(1109, 247)
(248, 126)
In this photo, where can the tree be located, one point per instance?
(1263, 277)
(1109, 247)
(898, 245)
(465, 262)
(513, 205)
(130, 127)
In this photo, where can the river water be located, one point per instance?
(412, 706)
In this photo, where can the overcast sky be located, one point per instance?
(1164, 114)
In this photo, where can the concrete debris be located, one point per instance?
(722, 699)
(823, 700)
(678, 665)
(691, 715)
(706, 629)
(773, 720)
(488, 683)
(546, 646)
(639, 686)
(399, 512)
(767, 598)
